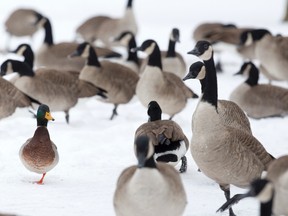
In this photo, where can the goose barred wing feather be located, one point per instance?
(169, 129)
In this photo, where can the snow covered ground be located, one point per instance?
(94, 150)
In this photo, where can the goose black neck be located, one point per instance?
(48, 33)
(129, 4)
(154, 116)
(210, 93)
(22, 68)
(92, 59)
(203, 84)
(132, 56)
(150, 163)
(154, 58)
(253, 76)
(171, 49)
(29, 57)
(266, 208)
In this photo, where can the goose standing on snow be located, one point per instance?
(22, 22)
(118, 81)
(149, 188)
(59, 89)
(55, 56)
(105, 28)
(169, 141)
(226, 154)
(272, 191)
(164, 87)
(39, 154)
(259, 100)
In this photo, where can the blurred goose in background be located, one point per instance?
(226, 154)
(55, 56)
(105, 28)
(119, 81)
(59, 89)
(271, 51)
(149, 188)
(259, 100)
(164, 87)
(11, 98)
(127, 39)
(272, 191)
(221, 36)
(172, 61)
(22, 22)
(39, 153)
(248, 41)
(169, 141)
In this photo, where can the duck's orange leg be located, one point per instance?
(41, 180)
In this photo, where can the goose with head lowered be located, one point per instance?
(166, 88)
(59, 89)
(227, 154)
(272, 191)
(149, 188)
(55, 56)
(119, 81)
(104, 28)
(168, 138)
(22, 22)
(39, 153)
(259, 100)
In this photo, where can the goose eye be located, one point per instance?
(205, 46)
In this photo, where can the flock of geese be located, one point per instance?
(222, 145)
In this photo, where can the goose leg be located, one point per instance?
(171, 117)
(226, 189)
(183, 167)
(41, 180)
(67, 116)
(114, 111)
(218, 66)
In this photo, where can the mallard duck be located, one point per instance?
(39, 154)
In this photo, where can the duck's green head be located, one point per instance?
(43, 115)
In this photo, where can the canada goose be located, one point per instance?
(149, 188)
(55, 56)
(259, 100)
(127, 39)
(231, 114)
(39, 154)
(11, 98)
(172, 61)
(272, 191)
(272, 55)
(164, 87)
(119, 81)
(105, 28)
(226, 154)
(204, 30)
(248, 40)
(22, 22)
(57, 88)
(169, 141)
(85, 89)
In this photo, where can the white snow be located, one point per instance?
(94, 150)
